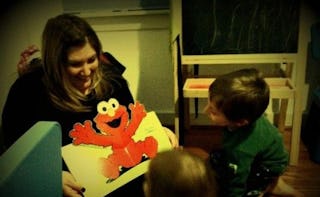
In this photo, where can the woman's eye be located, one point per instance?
(92, 59)
(75, 64)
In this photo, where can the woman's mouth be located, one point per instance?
(83, 84)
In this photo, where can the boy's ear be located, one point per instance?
(242, 122)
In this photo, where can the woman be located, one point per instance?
(73, 78)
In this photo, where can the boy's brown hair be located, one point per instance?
(242, 94)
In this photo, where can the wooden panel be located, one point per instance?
(198, 87)
(239, 58)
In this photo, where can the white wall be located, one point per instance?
(141, 43)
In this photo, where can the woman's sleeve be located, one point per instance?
(17, 115)
(13, 112)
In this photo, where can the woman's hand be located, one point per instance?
(23, 64)
(70, 187)
(172, 137)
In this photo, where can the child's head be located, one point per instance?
(238, 98)
(179, 173)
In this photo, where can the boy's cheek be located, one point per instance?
(217, 121)
(213, 119)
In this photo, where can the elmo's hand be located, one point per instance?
(83, 133)
(137, 111)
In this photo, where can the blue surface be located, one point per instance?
(32, 166)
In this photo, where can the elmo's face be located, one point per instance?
(112, 118)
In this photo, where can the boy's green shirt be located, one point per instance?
(260, 142)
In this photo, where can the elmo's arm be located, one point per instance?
(137, 114)
(85, 134)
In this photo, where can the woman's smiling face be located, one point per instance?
(81, 66)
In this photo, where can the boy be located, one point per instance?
(179, 173)
(253, 155)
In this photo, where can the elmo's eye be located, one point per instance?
(113, 103)
(103, 107)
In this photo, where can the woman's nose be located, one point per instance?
(86, 70)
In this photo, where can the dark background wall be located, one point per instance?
(240, 26)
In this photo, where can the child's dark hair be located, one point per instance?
(242, 94)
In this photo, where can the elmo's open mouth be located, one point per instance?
(114, 123)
